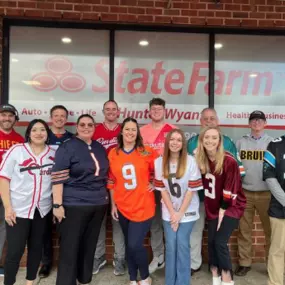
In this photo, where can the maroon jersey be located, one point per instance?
(224, 190)
(106, 137)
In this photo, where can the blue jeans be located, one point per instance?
(135, 233)
(177, 260)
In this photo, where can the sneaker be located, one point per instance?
(1, 271)
(157, 263)
(242, 270)
(98, 264)
(147, 281)
(45, 271)
(133, 283)
(119, 267)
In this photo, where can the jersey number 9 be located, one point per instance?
(129, 173)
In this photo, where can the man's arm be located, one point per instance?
(276, 190)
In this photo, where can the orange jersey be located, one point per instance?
(129, 177)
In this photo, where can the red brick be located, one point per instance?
(242, 15)
(232, 22)
(233, 7)
(197, 21)
(180, 20)
(257, 15)
(265, 8)
(160, 4)
(127, 2)
(206, 13)
(71, 15)
(136, 10)
(145, 3)
(119, 10)
(9, 3)
(109, 17)
(198, 6)
(242, 1)
(53, 14)
(180, 5)
(162, 19)
(63, 6)
(128, 18)
(82, 8)
(259, 240)
(45, 6)
(34, 13)
(145, 18)
(258, 247)
(215, 21)
(247, 8)
(173, 12)
(273, 16)
(153, 11)
(14, 12)
(24, 4)
(275, 2)
(223, 14)
(92, 1)
(191, 13)
(260, 2)
(111, 2)
(280, 9)
(100, 8)
(266, 23)
(2, 13)
(212, 6)
(280, 23)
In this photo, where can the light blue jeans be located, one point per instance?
(177, 251)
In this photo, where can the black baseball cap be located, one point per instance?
(257, 115)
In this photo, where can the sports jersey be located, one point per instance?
(30, 179)
(229, 146)
(177, 188)
(106, 137)
(274, 167)
(8, 140)
(155, 138)
(55, 140)
(224, 190)
(251, 152)
(83, 170)
(129, 176)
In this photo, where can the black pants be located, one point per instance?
(219, 255)
(47, 247)
(135, 233)
(25, 231)
(79, 233)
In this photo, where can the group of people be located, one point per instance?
(151, 179)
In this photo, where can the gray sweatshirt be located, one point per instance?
(251, 152)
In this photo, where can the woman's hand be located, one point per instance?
(150, 187)
(114, 212)
(59, 213)
(175, 218)
(175, 227)
(10, 216)
(221, 216)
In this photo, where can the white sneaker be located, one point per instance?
(133, 283)
(156, 263)
(217, 280)
(228, 283)
(147, 281)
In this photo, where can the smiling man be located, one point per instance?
(58, 134)
(8, 137)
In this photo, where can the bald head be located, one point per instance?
(209, 118)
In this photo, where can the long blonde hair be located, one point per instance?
(182, 161)
(202, 156)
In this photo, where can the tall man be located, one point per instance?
(106, 133)
(8, 137)
(251, 149)
(208, 118)
(58, 134)
(154, 135)
(274, 175)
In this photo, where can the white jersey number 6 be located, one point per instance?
(129, 173)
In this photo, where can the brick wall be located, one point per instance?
(261, 14)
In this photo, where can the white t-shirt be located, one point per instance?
(177, 188)
(30, 179)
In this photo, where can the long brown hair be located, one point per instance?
(202, 156)
(182, 161)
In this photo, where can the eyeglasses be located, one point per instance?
(82, 125)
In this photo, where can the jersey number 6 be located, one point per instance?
(129, 173)
(212, 183)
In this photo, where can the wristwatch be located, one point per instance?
(56, 206)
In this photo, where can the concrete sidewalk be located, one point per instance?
(257, 276)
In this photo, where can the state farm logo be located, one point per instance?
(59, 74)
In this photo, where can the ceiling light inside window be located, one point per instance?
(218, 45)
(31, 82)
(143, 43)
(14, 60)
(66, 40)
(253, 75)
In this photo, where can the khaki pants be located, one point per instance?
(276, 252)
(259, 201)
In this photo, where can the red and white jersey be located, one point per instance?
(30, 179)
(8, 140)
(106, 137)
(177, 188)
(155, 138)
